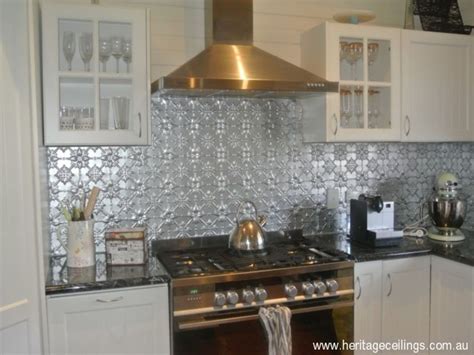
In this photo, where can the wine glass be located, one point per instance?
(372, 51)
(85, 49)
(127, 53)
(373, 112)
(105, 50)
(354, 53)
(69, 47)
(117, 49)
(342, 50)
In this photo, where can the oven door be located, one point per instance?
(240, 332)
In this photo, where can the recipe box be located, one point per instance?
(126, 246)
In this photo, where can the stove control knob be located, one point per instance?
(219, 299)
(248, 296)
(291, 290)
(260, 294)
(319, 287)
(232, 297)
(308, 288)
(332, 285)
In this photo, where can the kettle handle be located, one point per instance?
(243, 203)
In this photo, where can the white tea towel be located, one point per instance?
(277, 324)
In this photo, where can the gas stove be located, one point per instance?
(213, 286)
(210, 259)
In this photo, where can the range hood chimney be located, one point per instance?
(232, 66)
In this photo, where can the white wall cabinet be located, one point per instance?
(130, 321)
(365, 60)
(392, 301)
(436, 87)
(95, 75)
(452, 304)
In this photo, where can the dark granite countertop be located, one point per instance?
(62, 279)
(462, 252)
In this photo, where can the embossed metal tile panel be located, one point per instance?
(208, 153)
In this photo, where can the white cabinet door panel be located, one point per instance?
(134, 321)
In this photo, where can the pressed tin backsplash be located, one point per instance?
(209, 153)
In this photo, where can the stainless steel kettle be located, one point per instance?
(248, 234)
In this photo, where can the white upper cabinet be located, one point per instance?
(95, 75)
(436, 87)
(365, 60)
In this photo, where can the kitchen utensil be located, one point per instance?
(447, 209)
(127, 53)
(121, 111)
(86, 49)
(117, 49)
(91, 202)
(69, 47)
(79, 244)
(105, 50)
(248, 234)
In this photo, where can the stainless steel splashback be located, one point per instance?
(208, 153)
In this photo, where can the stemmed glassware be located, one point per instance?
(117, 49)
(374, 112)
(127, 53)
(358, 108)
(86, 49)
(105, 50)
(346, 109)
(372, 51)
(69, 47)
(354, 52)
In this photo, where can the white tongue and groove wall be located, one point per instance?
(177, 26)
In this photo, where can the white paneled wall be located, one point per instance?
(177, 26)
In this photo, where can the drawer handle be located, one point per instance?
(360, 288)
(336, 124)
(100, 300)
(407, 125)
(390, 289)
(140, 124)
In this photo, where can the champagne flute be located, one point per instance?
(69, 47)
(359, 108)
(127, 53)
(85, 49)
(355, 50)
(346, 110)
(117, 49)
(372, 51)
(105, 50)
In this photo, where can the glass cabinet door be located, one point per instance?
(365, 91)
(95, 70)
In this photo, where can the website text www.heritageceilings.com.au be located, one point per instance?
(400, 345)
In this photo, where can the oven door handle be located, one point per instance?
(197, 324)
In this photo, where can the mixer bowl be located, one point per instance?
(447, 213)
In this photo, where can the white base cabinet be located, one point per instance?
(126, 321)
(392, 301)
(452, 303)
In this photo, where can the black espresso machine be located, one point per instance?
(372, 222)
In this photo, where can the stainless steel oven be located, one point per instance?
(219, 314)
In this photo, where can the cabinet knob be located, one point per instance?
(389, 278)
(360, 288)
(100, 300)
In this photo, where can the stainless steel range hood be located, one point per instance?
(232, 66)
